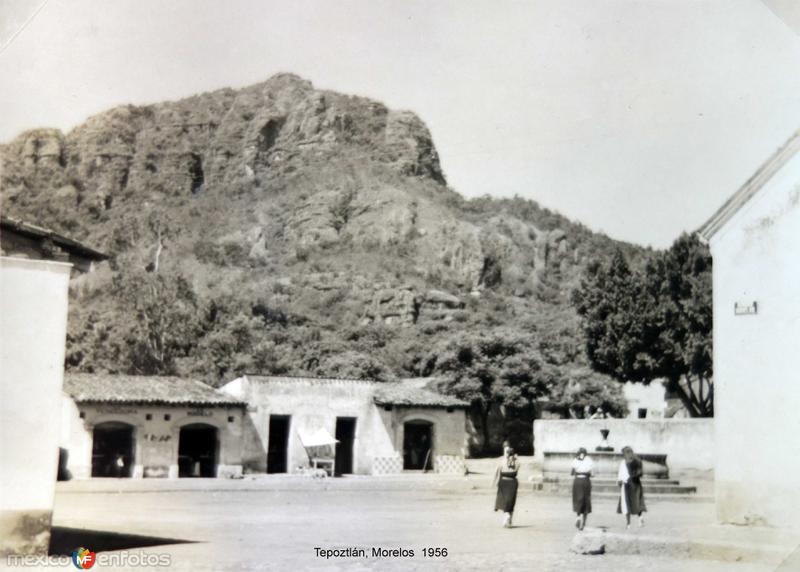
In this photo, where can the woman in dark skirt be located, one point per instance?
(629, 480)
(582, 467)
(506, 480)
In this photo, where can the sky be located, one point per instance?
(637, 118)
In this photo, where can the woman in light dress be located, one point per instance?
(582, 467)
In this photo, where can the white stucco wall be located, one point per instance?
(688, 443)
(156, 440)
(649, 397)
(316, 403)
(33, 323)
(312, 404)
(757, 357)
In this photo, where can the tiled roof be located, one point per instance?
(156, 390)
(68, 244)
(414, 393)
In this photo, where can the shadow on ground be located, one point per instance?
(64, 540)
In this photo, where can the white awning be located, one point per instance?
(317, 438)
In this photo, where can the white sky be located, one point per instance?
(638, 118)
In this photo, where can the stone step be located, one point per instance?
(611, 488)
(603, 481)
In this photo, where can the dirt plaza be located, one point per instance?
(277, 523)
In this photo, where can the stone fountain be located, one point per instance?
(558, 464)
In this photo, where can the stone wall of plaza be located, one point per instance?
(156, 435)
(33, 322)
(688, 443)
(313, 404)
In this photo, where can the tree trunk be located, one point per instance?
(483, 414)
(695, 406)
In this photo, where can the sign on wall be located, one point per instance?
(745, 308)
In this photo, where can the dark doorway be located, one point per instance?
(346, 435)
(418, 446)
(112, 450)
(278, 447)
(197, 451)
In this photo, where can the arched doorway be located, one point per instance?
(197, 451)
(112, 449)
(418, 445)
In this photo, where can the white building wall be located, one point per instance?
(156, 435)
(648, 397)
(33, 325)
(314, 403)
(757, 356)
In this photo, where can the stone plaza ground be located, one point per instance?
(276, 522)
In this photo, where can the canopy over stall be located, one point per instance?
(320, 448)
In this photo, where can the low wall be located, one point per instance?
(688, 443)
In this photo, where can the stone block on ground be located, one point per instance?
(590, 541)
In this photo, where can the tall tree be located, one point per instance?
(165, 320)
(496, 368)
(653, 323)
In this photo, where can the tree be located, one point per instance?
(160, 229)
(355, 365)
(497, 368)
(653, 323)
(163, 324)
(233, 341)
(680, 279)
(584, 388)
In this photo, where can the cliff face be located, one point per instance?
(283, 195)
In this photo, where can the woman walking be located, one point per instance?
(506, 480)
(582, 466)
(631, 493)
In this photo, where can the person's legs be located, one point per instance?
(583, 524)
(641, 519)
(507, 519)
(627, 520)
(578, 521)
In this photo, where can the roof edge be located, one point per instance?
(394, 403)
(231, 403)
(35, 231)
(751, 187)
(309, 378)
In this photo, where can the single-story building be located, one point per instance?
(21, 239)
(35, 268)
(381, 428)
(755, 240)
(149, 426)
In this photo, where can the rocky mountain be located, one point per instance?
(319, 224)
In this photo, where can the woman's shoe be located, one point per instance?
(641, 521)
